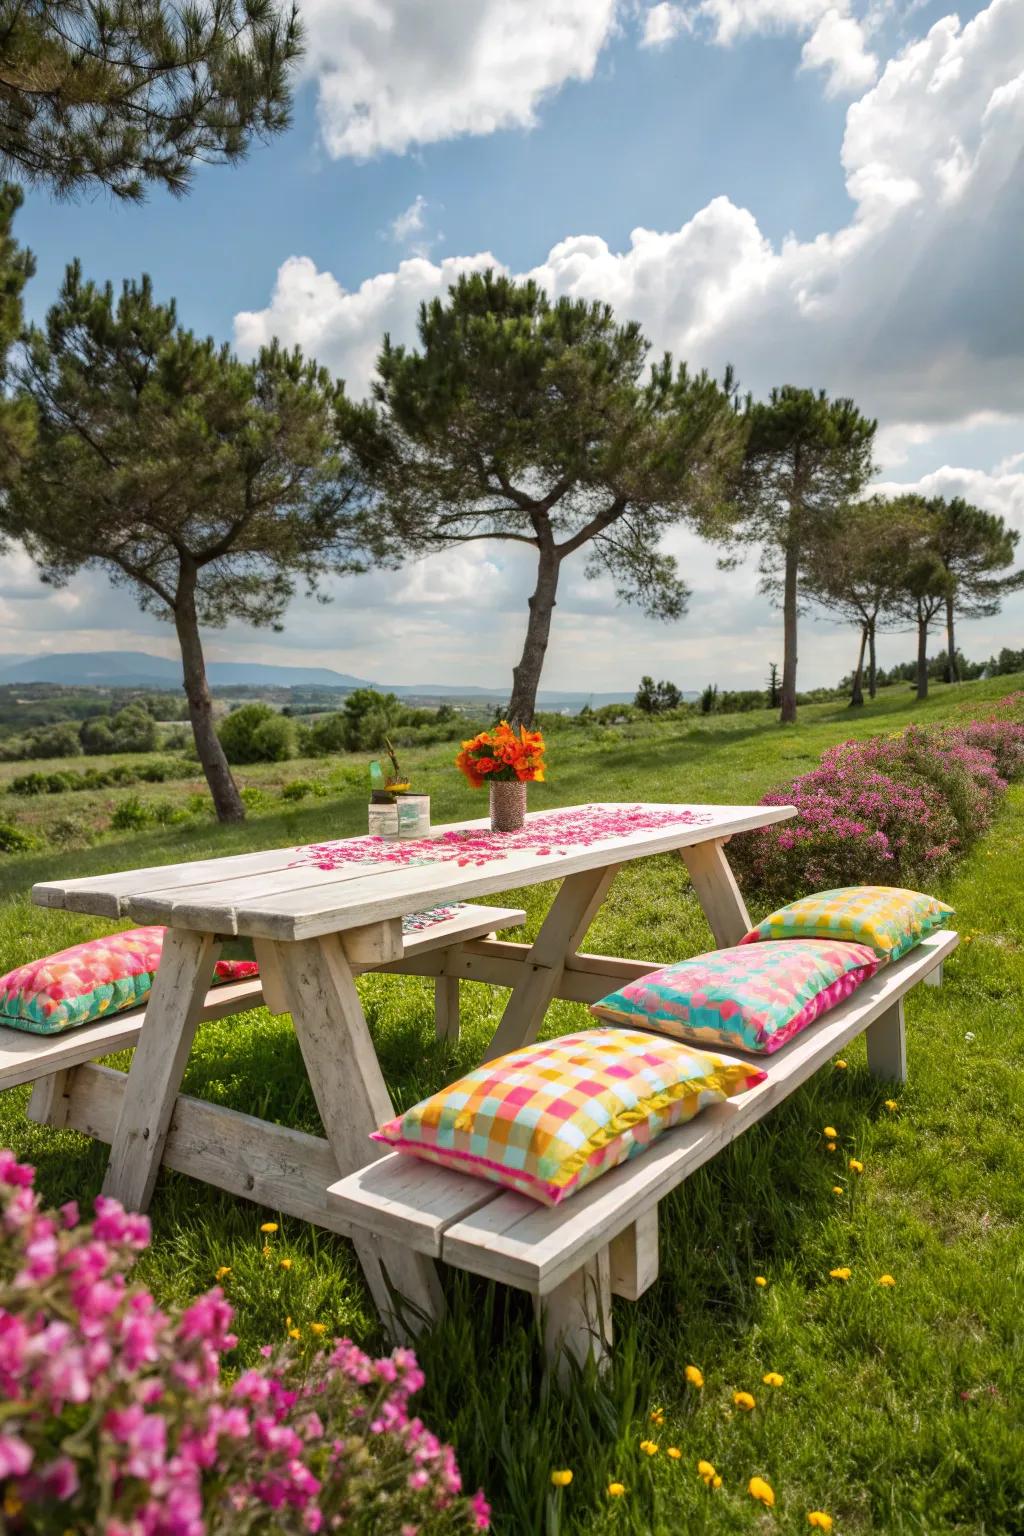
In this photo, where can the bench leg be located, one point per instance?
(446, 1007)
(634, 1257)
(934, 978)
(886, 1041)
(715, 887)
(577, 1317)
(51, 1099)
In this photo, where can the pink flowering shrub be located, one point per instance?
(116, 1419)
(889, 810)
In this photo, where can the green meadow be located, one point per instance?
(900, 1408)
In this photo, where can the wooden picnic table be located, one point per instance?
(316, 917)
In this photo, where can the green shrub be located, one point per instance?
(131, 815)
(274, 740)
(253, 798)
(14, 839)
(297, 789)
(71, 832)
(237, 732)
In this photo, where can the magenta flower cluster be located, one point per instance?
(888, 810)
(117, 1418)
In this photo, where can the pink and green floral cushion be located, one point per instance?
(889, 918)
(90, 981)
(752, 998)
(549, 1118)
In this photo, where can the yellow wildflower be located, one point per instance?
(744, 1400)
(657, 1416)
(694, 1376)
(269, 1226)
(12, 1505)
(318, 1328)
(649, 1446)
(716, 1481)
(772, 1379)
(762, 1491)
(562, 1479)
(892, 1106)
(837, 1189)
(267, 1250)
(818, 1519)
(886, 1280)
(673, 1451)
(840, 1065)
(706, 1471)
(223, 1272)
(856, 1166)
(760, 1280)
(284, 1263)
(840, 1274)
(830, 1146)
(616, 1490)
(830, 1133)
(295, 1333)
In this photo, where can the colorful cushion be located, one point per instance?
(90, 981)
(752, 999)
(889, 918)
(550, 1118)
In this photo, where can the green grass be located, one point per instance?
(901, 1408)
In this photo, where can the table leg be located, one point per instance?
(562, 932)
(716, 889)
(352, 1098)
(158, 1066)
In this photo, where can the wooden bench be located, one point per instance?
(48, 1060)
(604, 1241)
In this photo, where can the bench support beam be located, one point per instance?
(634, 1257)
(886, 1040)
(577, 1317)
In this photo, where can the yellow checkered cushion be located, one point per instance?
(550, 1118)
(888, 918)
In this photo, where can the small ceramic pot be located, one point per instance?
(508, 805)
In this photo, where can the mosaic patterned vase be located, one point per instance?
(508, 805)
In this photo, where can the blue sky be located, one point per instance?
(827, 193)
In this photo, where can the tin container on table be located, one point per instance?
(402, 816)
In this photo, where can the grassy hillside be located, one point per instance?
(900, 1409)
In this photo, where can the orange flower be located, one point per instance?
(503, 753)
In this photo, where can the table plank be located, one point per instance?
(268, 895)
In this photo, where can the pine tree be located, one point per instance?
(119, 93)
(210, 488)
(974, 546)
(919, 584)
(537, 423)
(17, 416)
(806, 458)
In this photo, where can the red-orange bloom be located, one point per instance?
(503, 754)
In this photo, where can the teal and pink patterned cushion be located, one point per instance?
(90, 981)
(753, 997)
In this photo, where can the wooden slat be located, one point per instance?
(516, 1240)
(245, 892)
(406, 1198)
(24, 1056)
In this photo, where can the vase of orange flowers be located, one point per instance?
(506, 759)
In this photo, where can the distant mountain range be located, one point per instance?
(137, 669)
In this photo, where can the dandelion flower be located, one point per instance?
(840, 1274)
(818, 1519)
(830, 1133)
(837, 1189)
(856, 1166)
(763, 1492)
(892, 1106)
(840, 1065)
(744, 1400)
(772, 1379)
(886, 1280)
(830, 1146)
(650, 1447)
(706, 1471)
(673, 1451)
(284, 1263)
(318, 1328)
(716, 1481)
(657, 1416)
(223, 1272)
(616, 1490)
(269, 1226)
(267, 1250)
(694, 1376)
(295, 1333)
(562, 1479)
(760, 1280)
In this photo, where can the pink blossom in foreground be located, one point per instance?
(123, 1424)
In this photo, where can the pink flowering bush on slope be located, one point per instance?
(116, 1420)
(889, 810)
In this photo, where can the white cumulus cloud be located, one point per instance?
(838, 45)
(396, 73)
(663, 22)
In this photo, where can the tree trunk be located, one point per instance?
(952, 675)
(526, 677)
(872, 661)
(789, 596)
(857, 693)
(922, 658)
(226, 799)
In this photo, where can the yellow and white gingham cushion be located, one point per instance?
(888, 918)
(549, 1118)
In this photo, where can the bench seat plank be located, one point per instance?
(509, 1237)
